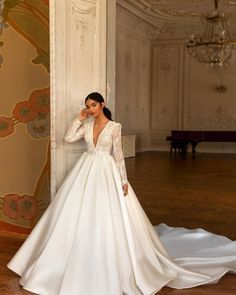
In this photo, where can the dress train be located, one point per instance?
(92, 240)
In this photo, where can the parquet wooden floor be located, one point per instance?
(186, 192)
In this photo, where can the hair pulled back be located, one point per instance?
(98, 98)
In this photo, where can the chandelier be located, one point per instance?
(215, 46)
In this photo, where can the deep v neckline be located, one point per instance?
(95, 145)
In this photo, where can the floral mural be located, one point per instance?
(30, 18)
(34, 112)
(19, 211)
(16, 206)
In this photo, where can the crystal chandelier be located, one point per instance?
(215, 46)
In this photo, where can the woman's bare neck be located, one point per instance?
(101, 119)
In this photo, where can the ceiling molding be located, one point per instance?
(176, 12)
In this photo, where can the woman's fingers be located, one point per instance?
(83, 114)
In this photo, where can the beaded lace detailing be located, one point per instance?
(118, 152)
(108, 140)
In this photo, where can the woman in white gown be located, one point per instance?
(95, 239)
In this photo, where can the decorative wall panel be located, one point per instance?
(165, 91)
(79, 66)
(133, 80)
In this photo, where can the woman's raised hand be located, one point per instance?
(83, 115)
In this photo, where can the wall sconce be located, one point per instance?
(221, 88)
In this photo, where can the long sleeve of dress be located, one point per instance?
(75, 132)
(118, 152)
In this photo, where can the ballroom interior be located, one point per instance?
(143, 57)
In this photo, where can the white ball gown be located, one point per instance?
(93, 240)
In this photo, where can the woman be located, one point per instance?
(95, 238)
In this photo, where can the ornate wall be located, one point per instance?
(159, 87)
(24, 113)
(82, 59)
(185, 96)
(133, 79)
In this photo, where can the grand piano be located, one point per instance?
(180, 139)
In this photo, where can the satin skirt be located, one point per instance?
(92, 240)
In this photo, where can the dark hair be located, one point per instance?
(98, 98)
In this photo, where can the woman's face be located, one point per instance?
(93, 107)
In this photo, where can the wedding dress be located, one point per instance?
(93, 240)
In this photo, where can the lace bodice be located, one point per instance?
(109, 140)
